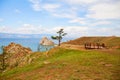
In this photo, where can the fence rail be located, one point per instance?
(94, 45)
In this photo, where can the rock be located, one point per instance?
(102, 63)
(14, 48)
(30, 60)
(17, 55)
(108, 65)
(46, 62)
(13, 63)
(46, 41)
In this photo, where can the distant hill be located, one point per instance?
(111, 41)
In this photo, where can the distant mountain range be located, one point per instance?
(11, 35)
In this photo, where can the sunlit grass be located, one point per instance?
(76, 65)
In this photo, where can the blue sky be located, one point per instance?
(77, 17)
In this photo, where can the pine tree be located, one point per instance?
(60, 36)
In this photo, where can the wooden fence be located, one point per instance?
(94, 45)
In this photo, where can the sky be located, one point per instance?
(77, 17)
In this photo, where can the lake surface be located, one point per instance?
(32, 43)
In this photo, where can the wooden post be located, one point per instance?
(94, 45)
(103, 45)
(98, 45)
(90, 45)
(85, 46)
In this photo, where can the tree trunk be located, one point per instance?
(59, 42)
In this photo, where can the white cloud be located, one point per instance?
(80, 1)
(68, 13)
(31, 29)
(1, 19)
(27, 29)
(24, 29)
(78, 20)
(76, 31)
(17, 11)
(73, 31)
(36, 5)
(64, 15)
(99, 22)
(92, 9)
(108, 31)
(51, 7)
(6, 29)
(104, 11)
(57, 10)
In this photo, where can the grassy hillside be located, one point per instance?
(109, 41)
(68, 64)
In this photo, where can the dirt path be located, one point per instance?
(81, 47)
(71, 46)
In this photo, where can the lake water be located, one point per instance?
(32, 43)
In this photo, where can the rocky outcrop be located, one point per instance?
(14, 48)
(17, 55)
(46, 41)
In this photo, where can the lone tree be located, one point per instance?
(60, 36)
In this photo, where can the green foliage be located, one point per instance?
(60, 36)
(54, 37)
(64, 34)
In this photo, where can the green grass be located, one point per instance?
(67, 64)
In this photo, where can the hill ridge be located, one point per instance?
(110, 41)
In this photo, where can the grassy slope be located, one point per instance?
(66, 64)
(109, 41)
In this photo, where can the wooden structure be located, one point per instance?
(94, 45)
